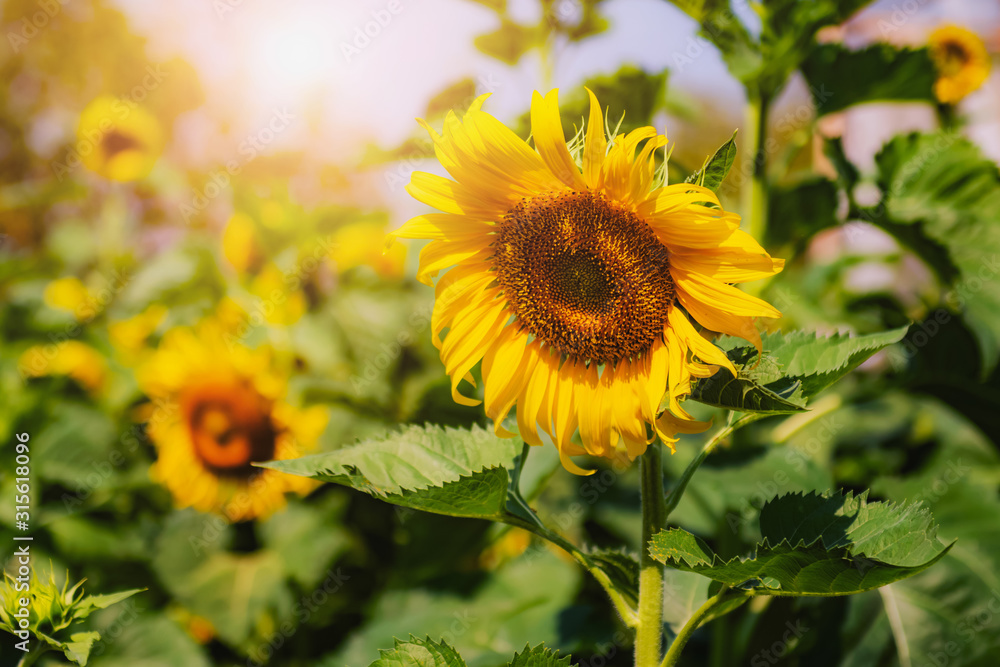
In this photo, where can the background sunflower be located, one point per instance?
(218, 408)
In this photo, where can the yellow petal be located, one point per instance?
(702, 348)
(721, 296)
(595, 145)
(550, 142)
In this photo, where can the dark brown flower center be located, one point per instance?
(115, 142)
(230, 427)
(584, 275)
(952, 57)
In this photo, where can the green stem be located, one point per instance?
(31, 657)
(755, 197)
(681, 640)
(649, 634)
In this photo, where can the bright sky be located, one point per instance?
(254, 57)
(345, 88)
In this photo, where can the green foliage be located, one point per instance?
(714, 171)
(514, 38)
(538, 656)
(427, 653)
(792, 369)
(839, 78)
(832, 544)
(458, 472)
(516, 604)
(764, 62)
(796, 212)
(419, 653)
(193, 564)
(55, 614)
(941, 194)
(630, 96)
(509, 42)
(414, 458)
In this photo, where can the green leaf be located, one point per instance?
(509, 42)
(150, 639)
(715, 169)
(794, 367)
(419, 653)
(831, 544)
(456, 472)
(784, 50)
(538, 656)
(941, 193)
(839, 78)
(89, 604)
(79, 645)
(959, 484)
(413, 458)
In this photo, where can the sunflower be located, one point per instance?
(118, 139)
(70, 358)
(572, 279)
(216, 408)
(961, 60)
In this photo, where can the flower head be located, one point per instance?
(572, 279)
(961, 60)
(118, 139)
(218, 408)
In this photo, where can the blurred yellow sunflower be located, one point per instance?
(355, 245)
(961, 60)
(218, 408)
(118, 139)
(70, 358)
(574, 277)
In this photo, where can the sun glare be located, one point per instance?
(290, 56)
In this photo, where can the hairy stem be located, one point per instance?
(649, 635)
(755, 197)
